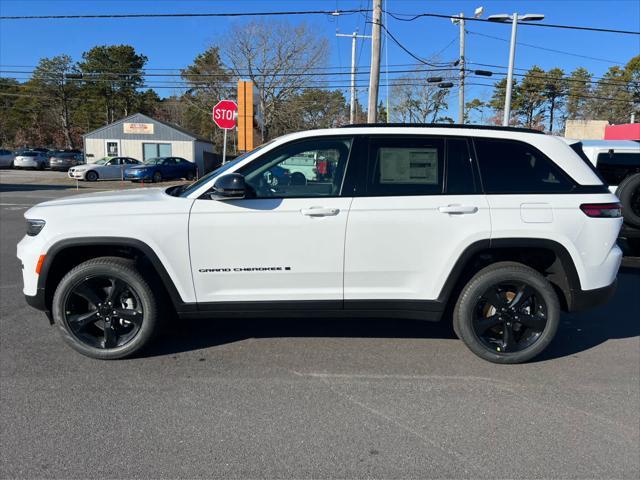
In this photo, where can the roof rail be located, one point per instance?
(444, 125)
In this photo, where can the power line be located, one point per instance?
(536, 24)
(545, 48)
(181, 15)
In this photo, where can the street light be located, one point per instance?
(514, 19)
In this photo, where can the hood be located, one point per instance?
(115, 196)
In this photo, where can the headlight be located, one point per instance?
(34, 227)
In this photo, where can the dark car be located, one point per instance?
(65, 160)
(161, 168)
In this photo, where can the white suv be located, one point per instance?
(497, 228)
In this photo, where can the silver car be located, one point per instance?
(6, 158)
(31, 159)
(65, 160)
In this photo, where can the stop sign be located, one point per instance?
(224, 114)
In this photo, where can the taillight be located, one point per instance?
(602, 210)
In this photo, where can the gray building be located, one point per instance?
(142, 137)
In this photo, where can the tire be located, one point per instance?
(91, 176)
(473, 313)
(134, 300)
(629, 194)
(157, 177)
(190, 176)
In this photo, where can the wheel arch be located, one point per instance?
(65, 254)
(548, 257)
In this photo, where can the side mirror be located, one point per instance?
(228, 187)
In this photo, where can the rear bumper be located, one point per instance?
(587, 299)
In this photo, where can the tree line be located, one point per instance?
(62, 98)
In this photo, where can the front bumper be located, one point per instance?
(76, 175)
(142, 175)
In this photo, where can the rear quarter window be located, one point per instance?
(510, 166)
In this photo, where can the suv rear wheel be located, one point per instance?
(507, 313)
(105, 309)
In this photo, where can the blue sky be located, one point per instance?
(174, 42)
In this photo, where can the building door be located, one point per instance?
(112, 148)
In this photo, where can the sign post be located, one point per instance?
(225, 114)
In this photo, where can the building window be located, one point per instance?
(153, 150)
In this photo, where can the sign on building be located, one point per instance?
(138, 128)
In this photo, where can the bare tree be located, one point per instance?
(415, 100)
(275, 56)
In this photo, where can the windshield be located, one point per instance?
(29, 154)
(152, 161)
(197, 184)
(102, 161)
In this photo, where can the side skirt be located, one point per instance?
(406, 309)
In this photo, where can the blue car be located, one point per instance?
(161, 168)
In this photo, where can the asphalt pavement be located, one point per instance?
(311, 398)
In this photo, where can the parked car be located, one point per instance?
(6, 158)
(31, 159)
(503, 227)
(161, 168)
(65, 160)
(618, 163)
(108, 168)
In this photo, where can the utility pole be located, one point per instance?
(354, 36)
(461, 89)
(374, 78)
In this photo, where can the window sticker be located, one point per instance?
(409, 165)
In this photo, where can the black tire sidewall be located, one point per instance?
(463, 313)
(624, 192)
(123, 270)
(91, 176)
(157, 177)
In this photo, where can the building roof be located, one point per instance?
(138, 116)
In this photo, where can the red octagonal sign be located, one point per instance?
(225, 114)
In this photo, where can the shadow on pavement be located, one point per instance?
(21, 187)
(620, 318)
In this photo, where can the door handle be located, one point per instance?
(458, 209)
(320, 212)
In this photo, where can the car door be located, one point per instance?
(111, 169)
(283, 242)
(168, 168)
(420, 208)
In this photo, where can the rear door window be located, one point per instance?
(399, 166)
(459, 170)
(508, 166)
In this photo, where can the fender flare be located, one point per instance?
(126, 242)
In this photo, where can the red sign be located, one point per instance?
(225, 113)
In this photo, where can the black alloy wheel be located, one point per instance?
(91, 176)
(105, 308)
(509, 317)
(507, 313)
(103, 312)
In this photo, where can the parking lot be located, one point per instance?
(310, 398)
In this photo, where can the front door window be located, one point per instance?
(309, 168)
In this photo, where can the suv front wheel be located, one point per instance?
(105, 309)
(507, 313)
